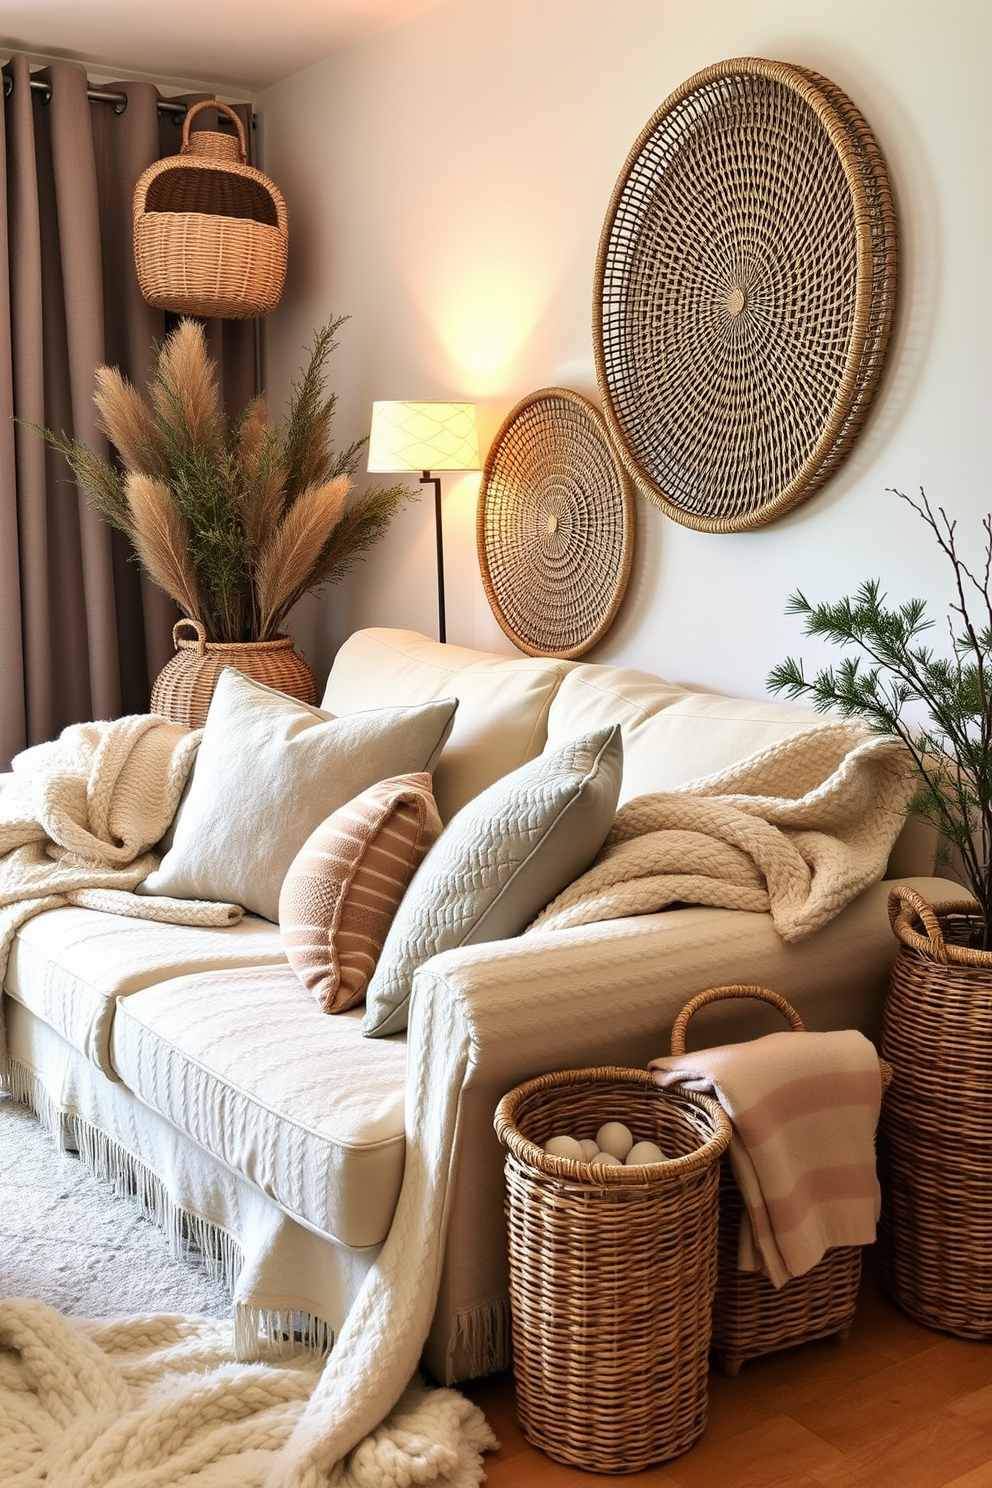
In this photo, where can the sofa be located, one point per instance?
(190, 1065)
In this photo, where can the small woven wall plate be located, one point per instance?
(744, 293)
(555, 527)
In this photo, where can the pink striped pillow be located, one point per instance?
(345, 885)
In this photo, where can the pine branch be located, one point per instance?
(952, 749)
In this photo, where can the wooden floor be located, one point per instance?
(897, 1405)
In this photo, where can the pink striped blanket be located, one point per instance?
(804, 1107)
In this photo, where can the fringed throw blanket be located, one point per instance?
(798, 829)
(81, 815)
(804, 1109)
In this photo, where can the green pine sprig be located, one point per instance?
(938, 703)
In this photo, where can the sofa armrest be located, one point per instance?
(608, 994)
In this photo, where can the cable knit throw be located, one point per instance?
(81, 815)
(157, 1402)
(798, 829)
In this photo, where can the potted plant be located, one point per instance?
(235, 519)
(939, 705)
(936, 1124)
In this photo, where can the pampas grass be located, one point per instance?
(235, 523)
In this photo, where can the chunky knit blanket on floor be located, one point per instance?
(157, 1402)
(81, 815)
(797, 830)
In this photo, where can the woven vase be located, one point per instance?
(185, 685)
(935, 1135)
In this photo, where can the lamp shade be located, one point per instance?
(423, 436)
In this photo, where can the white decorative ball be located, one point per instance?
(644, 1152)
(564, 1147)
(605, 1160)
(589, 1148)
(616, 1138)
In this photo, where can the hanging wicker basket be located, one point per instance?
(185, 685)
(935, 1138)
(611, 1269)
(210, 231)
(750, 1316)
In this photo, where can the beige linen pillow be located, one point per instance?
(498, 862)
(269, 769)
(345, 885)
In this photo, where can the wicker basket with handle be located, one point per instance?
(750, 1316)
(185, 685)
(612, 1269)
(935, 1137)
(211, 232)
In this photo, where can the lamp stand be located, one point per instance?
(435, 481)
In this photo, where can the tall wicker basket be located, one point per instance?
(611, 1269)
(750, 1316)
(211, 232)
(183, 688)
(935, 1139)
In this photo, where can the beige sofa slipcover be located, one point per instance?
(189, 1065)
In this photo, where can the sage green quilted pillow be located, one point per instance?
(500, 859)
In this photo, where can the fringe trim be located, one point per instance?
(24, 1086)
(257, 1331)
(481, 1341)
(280, 1333)
(130, 1178)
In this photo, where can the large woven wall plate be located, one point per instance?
(745, 291)
(555, 528)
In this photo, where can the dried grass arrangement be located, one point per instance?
(236, 520)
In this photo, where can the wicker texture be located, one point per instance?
(555, 527)
(612, 1269)
(935, 1139)
(750, 1316)
(183, 688)
(745, 291)
(210, 231)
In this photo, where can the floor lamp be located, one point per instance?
(427, 437)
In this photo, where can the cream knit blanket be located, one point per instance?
(158, 1402)
(797, 830)
(81, 815)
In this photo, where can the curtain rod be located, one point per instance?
(104, 95)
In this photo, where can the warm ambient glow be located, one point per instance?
(423, 436)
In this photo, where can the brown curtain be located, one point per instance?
(83, 633)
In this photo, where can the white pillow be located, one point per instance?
(269, 769)
(498, 862)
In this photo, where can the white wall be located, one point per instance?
(447, 184)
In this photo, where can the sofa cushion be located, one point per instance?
(345, 885)
(671, 735)
(70, 966)
(498, 862)
(298, 1103)
(268, 770)
(502, 701)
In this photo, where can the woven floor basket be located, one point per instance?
(935, 1139)
(185, 685)
(210, 231)
(750, 1316)
(612, 1269)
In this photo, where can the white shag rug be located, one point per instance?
(157, 1402)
